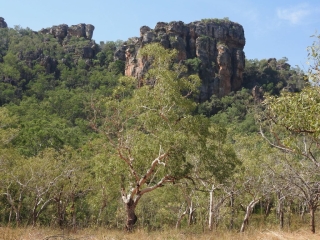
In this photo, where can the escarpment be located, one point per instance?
(63, 30)
(218, 44)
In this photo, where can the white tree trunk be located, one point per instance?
(211, 210)
(248, 214)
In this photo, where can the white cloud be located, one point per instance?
(294, 15)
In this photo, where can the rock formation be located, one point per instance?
(64, 33)
(3, 24)
(217, 43)
(63, 30)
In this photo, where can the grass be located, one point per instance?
(105, 234)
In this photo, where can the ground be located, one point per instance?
(105, 234)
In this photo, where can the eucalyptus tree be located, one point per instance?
(293, 127)
(252, 178)
(151, 129)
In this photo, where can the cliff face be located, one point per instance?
(63, 33)
(3, 24)
(217, 43)
(63, 30)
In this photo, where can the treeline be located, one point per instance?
(82, 145)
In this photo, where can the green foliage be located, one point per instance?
(8, 126)
(117, 67)
(273, 75)
(54, 167)
(295, 113)
(235, 111)
(314, 60)
(215, 20)
(106, 55)
(157, 120)
(193, 64)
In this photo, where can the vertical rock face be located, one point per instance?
(81, 30)
(64, 33)
(63, 30)
(3, 24)
(217, 43)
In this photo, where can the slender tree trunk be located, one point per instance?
(17, 218)
(268, 208)
(280, 211)
(60, 214)
(131, 216)
(60, 210)
(103, 205)
(34, 213)
(9, 219)
(302, 212)
(312, 218)
(15, 208)
(289, 213)
(178, 224)
(73, 212)
(249, 210)
(191, 213)
(74, 218)
(34, 219)
(232, 210)
(211, 210)
(17, 211)
(281, 218)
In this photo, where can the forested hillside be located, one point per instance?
(82, 145)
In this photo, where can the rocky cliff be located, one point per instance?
(63, 30)
(218, 43)
(3, 24)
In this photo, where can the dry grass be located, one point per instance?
(104, 234)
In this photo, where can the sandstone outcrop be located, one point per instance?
(3, 24)
(87, 49)
(63, 30)
(217, 43)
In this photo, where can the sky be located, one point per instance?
(273, 28)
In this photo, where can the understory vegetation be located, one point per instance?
(83, 146)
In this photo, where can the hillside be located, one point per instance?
(172, 129)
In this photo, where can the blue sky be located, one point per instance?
(277, 29)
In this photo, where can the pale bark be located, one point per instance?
(178, 224)
(280, 211)
(214, 208)
(15, 207)
(249, 210)
(191, 213)
(211, 210)
(132, 198)
(35, 213)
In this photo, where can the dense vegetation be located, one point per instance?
(81, 145)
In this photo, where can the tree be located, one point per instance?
(293, 127)
(151, 130)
